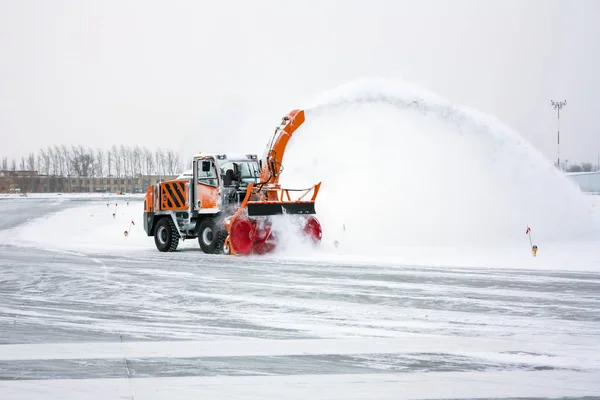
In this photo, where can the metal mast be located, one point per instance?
(558, 105)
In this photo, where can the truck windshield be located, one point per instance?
(249, 172)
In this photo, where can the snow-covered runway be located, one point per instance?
(88, 313)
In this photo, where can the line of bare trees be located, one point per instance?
(116, 161)
(583, 167)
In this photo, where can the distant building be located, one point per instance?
(587, 181)
(33, 182)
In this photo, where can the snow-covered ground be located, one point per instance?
(71, 196)
(88, 312)
(437, 296)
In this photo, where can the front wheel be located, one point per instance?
(211, 236)
(166, 236)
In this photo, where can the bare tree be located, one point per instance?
(125, 164)
(59, 165)
(55, 161)
(60, 162)
(85, 162)
(172, 162)
(22, 178)
(57, 168)
(13, 165)
(44, 165)
(76, 166)
(131, 160)
(137, 160)
(31, 162)
(92, 160)
(75, 161)
(125, 159)
(178, 163)
(116, 162)
(31, 168)
(149, 162)
(4, 163)
(109, 162)
(39, 162)
(574, 168)
(44, 162)
(160, 162)
(66, 160)
(100, 162)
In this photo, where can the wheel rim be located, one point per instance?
(162, 235)
(207, 236)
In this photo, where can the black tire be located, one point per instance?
(166, 236)
(211, 236)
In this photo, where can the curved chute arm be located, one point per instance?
(273, 156)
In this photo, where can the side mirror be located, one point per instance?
(205, 166)
(236, 172)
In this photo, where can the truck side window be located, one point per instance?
(207, 177)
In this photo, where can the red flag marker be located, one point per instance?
(533, 248)
(127, 231)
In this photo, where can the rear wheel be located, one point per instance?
(211, 236)
(166, 236)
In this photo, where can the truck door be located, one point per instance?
(207, 187)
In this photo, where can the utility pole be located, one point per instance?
(558, 105)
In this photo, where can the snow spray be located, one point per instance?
(409, 168)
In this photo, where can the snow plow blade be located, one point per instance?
(277, 208)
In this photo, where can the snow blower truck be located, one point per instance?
(228, 202)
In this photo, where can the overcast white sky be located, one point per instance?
(182, 74)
